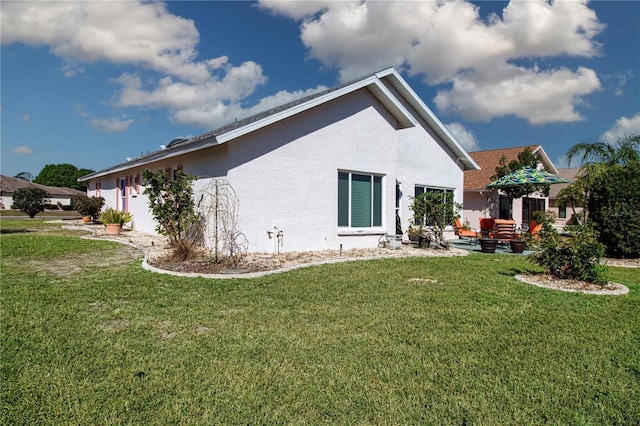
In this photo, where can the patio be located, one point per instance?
(466, 244)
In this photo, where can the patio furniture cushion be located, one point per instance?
(504, 230)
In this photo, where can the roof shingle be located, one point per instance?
(476, 180)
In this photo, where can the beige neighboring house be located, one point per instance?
(9, 185)
(482, 202)
(564, 213)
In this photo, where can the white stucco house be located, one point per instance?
(329, 170)
(483, 202)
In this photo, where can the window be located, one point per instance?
(562, 212)
(359, 200)
(447, 196)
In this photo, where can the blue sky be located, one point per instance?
(92, 83)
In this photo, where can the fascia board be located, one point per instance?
(381, 92)
(545, 159)
(425, 112)
(151, 158)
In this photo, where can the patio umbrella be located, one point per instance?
(521, 178)
(526, 175)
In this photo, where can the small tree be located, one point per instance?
(88, 206)
(433, 211)
(171, 203)
(30, 200)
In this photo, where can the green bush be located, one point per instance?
(576, 256)
(614, 209)
(88, 206)
(30, 200)
(172, 206)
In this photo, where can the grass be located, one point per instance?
(411, 341)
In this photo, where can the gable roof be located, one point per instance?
(569, 174)
(373, 82)
(9, 185)
(477, 180)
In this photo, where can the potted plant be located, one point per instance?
(115, 220)
(488, 245)
(88, 207)
(518, 245)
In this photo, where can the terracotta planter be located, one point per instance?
(517, 246)
(86, 219)
(488, 245)
(113, 228)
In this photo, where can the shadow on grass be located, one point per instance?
(520, 271)
(15, 231)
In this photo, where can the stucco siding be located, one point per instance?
(285, 174)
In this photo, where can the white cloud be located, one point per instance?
(26, 118)
(110, 125)
(625, 126)
(449, 43)
(23, 150)
(78, 109)
(538, 97)
(466, 137)
(146, 36)
(209, 115)
(120, 32)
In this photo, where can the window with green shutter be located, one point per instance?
(359, 200)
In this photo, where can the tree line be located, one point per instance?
(60, 175)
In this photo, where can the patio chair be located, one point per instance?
(471, 233)
(504, 230)
(534, 229)
(486, 226)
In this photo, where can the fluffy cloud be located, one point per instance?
(466, 137)
(449, 43)
(119, 32)
(23, 150)
(145, 35)
(625, 126)
(539, 97)
(110, 125)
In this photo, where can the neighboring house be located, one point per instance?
(333, 170)
(481, 202)
(9, 185)
(564, 213)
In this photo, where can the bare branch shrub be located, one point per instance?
(218, 205)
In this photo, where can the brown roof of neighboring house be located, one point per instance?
(477, 180)
(8, 185)
(569, 174)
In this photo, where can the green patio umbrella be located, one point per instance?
(524, 176)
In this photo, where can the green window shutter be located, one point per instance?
(377, 201)
(360, 201)
(343, 199)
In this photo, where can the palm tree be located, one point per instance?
(574, 195)
(597, 158)
(624, 151)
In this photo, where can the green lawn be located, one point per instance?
(411, 341)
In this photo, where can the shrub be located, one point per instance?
(30, 200)
(432, 212)
(88, 206)
(171, 203)
(574, 257)
(614, 209)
